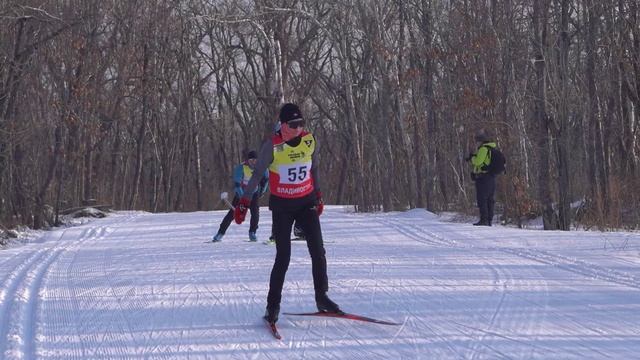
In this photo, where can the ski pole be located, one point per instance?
(224, 196)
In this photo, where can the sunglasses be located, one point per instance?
(294, 124)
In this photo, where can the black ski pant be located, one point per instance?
(306, 218)
(254, 208)
(485, 191)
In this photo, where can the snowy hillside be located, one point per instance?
(149, 286)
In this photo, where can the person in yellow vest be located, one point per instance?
(295, 196)
(241, 175)
(484, 180)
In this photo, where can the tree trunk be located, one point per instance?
(361, 200)
(409, 150)
(8, 94)
(430, 103)
(38, 220)
(198, 168)
(115, 169)
(563, 145)
(596, 148)
(541, 119)
(140, 138)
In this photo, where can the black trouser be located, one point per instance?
(485, 191)
(255, 214)
(307, 218)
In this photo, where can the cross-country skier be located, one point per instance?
(241, 175)
(295, 196)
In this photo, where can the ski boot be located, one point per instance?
(482, 223)
(298, 232)
(253, 237)
(271, 314)
(271, 241)
(325, 304)
(217, 237)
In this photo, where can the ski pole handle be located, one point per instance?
(224, 196)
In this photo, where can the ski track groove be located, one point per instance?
(77, 291)
(502, 280)
(78, 300)
(75, 298)
(128, 302)
(25, 293)
(509, 310)
(180, 341)
(428, 239)
(21, 303)
(496, 313)
(9, 296)
(119, 294)
(26, 289)
(576, 266)
(29, 311)
(536, 315)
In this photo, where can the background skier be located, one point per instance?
(241, 175)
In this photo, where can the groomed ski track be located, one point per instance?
(148, 286)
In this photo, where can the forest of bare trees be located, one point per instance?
(148, 104)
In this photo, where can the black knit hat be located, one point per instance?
(290, 112)
(252, 155)
(482, 136)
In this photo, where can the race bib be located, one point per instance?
(293, 174)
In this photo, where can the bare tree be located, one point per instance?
(147, 105)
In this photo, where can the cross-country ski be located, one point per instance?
(343, 315)
(273, 329)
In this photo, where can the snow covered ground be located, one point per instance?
(149, 286)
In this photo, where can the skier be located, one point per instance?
(295, 196)
(241, 175)
(485, 182)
